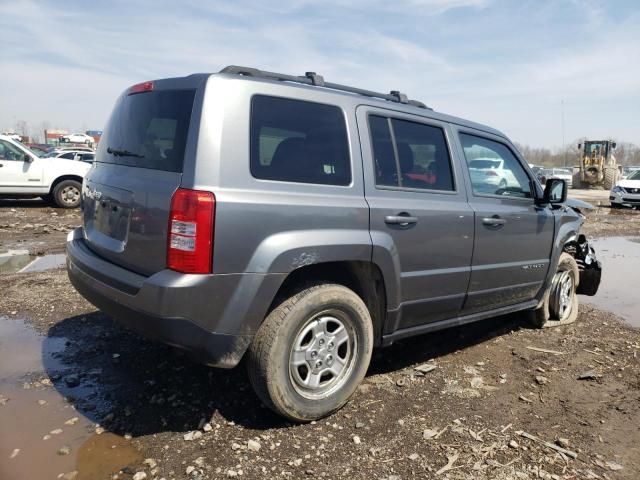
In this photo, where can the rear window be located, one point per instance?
(148, 130)
(298, 141)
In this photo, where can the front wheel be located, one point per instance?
(560, 304)
(311, 352)
(66, 194)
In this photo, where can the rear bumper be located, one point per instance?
(213, 317)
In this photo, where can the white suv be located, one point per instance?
(24, 174)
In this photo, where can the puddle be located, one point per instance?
(19, 261)
(37, 421)
(14, 260)
(618, 292)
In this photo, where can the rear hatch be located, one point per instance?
(138, 166)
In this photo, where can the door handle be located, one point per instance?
(400, 219)
(494, 221)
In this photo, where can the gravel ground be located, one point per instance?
(459, 404)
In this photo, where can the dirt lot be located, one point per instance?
(83, 398)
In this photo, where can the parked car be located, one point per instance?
(626, 193)
(13, 135)
(81, 155)
(300, 224)
(490, 174)
(25, 175)
(77, 138)
(562, 173)
(40, 149)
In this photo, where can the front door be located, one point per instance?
(15, 173)
(513, 236)
(419, 211)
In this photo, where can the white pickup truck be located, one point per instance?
(25, 175)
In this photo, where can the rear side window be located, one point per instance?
(299, 141)
(149, 130)
(410, 154)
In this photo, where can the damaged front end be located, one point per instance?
(589, 266)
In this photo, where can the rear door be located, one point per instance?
(418, 207)
(138, 166)
(513, 236)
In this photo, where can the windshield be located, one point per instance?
(484, 164)
(634, 175)
(148, 130)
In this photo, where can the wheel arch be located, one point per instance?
(364, 278)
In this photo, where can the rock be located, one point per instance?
(42, 402)
(513, 444)
(199, 462)
(72, 421)
(414, 457)
(253, 445)
(614, 466)
(232, 473)
(150, 462)
(207, 427)
(428, 433)
(540, 380)
(476, 382)
(356, 440)
(236, 446)
(562, 442)
(140, 476)
(297, 462)
(56, 431)
(70, 475)
(425, 368)
(72, 380)
(589, 375)
(194, 435)
(15, 453)
(99, 430)
(359, 425)
(190, 469)
(64, 450)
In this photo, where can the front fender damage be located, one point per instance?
(589, 266)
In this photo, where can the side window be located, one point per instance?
(68, 156)
(10, 152)
(298, 141)
(493, 168)
(410, 154)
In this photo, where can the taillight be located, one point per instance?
(141, 88)
(191, 222)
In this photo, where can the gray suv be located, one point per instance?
(300, 224)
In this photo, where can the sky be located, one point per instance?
(514, 65)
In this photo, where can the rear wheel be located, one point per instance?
(560, 304)
(311, 352)
(66, 194)
(610, 177)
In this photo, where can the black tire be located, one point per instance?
(610, 177)
(271, 355)
(546, 315)
(66, 194)
(616, 205)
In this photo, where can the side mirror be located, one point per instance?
(27, 158)
(613, 145)
(555, 192)
(579, 146)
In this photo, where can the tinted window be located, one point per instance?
(68, 156)
(419, 158)
(493, 168)
(153, 126)
(298, 141)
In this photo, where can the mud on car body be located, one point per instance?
(300, 223)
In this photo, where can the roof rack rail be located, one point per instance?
(312, 78)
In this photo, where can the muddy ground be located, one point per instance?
(83, 398)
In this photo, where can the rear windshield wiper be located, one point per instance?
(123, 153)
